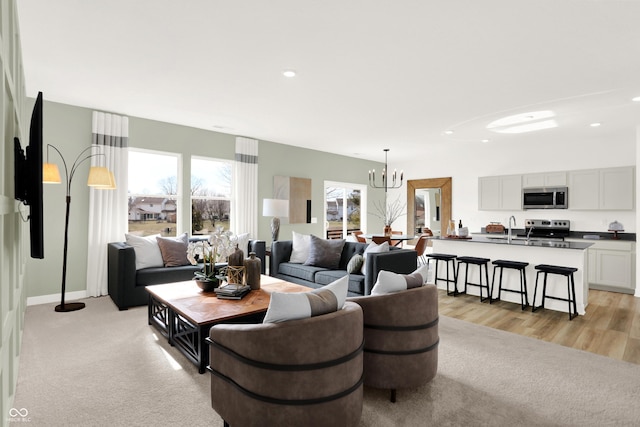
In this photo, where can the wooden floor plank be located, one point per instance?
(610, 327)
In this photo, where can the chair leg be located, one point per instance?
(393, 395)
(226, 424)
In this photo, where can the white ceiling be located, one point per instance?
(371, 74)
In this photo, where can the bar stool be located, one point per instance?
(447, 258)
(480, 262)
(515, 265)
(571, 287)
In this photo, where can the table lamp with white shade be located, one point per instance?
(275, 208)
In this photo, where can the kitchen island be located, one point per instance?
(538, 251)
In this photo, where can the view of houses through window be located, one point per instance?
(154, 193)
(153, 189)
(344, 208)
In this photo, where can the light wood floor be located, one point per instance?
(610, 327)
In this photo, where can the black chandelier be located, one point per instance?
(385, 176)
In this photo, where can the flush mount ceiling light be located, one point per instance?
(448, 132)
(524, 122)
(289, 73)
(636, 99)
(595, 125)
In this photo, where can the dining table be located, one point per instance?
(397, 238)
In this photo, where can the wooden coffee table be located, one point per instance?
(183, 313)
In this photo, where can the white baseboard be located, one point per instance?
(46, 299)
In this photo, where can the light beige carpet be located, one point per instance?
(104, 367)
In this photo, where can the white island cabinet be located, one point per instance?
(567, 254)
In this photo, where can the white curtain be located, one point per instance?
(244, 218)
(107, 208)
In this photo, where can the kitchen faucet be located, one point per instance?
(514, 223)
(529, 233)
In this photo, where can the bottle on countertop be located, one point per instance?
(460, 224)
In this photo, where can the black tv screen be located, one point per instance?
(28, 179)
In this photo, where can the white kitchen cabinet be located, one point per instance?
(612, 266)
(617, 189)
(500, 192)
(544, 179)
(602, 189)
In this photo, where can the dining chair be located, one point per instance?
(396, 242)
(358, 235)
(421, 247)
(381, 239)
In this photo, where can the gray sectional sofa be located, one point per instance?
(397, 260)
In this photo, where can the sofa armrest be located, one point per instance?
(260, 249)
(401, 261)
(121, 267)
(280, 252)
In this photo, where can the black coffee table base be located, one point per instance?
(188, 338)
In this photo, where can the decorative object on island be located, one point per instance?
(385, 176)
(219, 247)
(99, 178)
(275, 208)
(616, 228)
(252, 268)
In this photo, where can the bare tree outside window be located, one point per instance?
(210, 195)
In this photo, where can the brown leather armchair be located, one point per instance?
(305, 372)
(401, 338)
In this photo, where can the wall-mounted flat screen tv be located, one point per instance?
(28, 179)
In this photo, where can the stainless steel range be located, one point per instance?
(547, 228)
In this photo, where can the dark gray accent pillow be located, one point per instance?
(174, 250)
(325, 252)
(355, 264)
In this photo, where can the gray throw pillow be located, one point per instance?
(355, 264)
(174, 250)
(325, 252)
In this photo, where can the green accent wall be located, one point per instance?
(69, 128)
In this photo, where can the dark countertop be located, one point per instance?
(602, 235)
(501, 239)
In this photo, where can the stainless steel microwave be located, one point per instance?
(545, 198)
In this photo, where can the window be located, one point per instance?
(154, 192)
(345, 208)
(210, 194)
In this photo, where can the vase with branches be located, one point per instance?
(389, 212)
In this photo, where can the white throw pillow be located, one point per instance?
(300, 248)
(389, 282)
(147, 250)
(243, 243)
(285, 306)
(373, 248)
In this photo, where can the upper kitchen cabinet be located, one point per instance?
(547, 179)
(500, 193)
(602, 189)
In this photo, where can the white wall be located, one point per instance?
(466, 161)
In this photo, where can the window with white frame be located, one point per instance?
(154, 192)
(345, 208)
(210, 194)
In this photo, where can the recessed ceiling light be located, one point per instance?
(594, 125)
(448, 132)
(485, 140)
(289, 73)
(636, 99)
